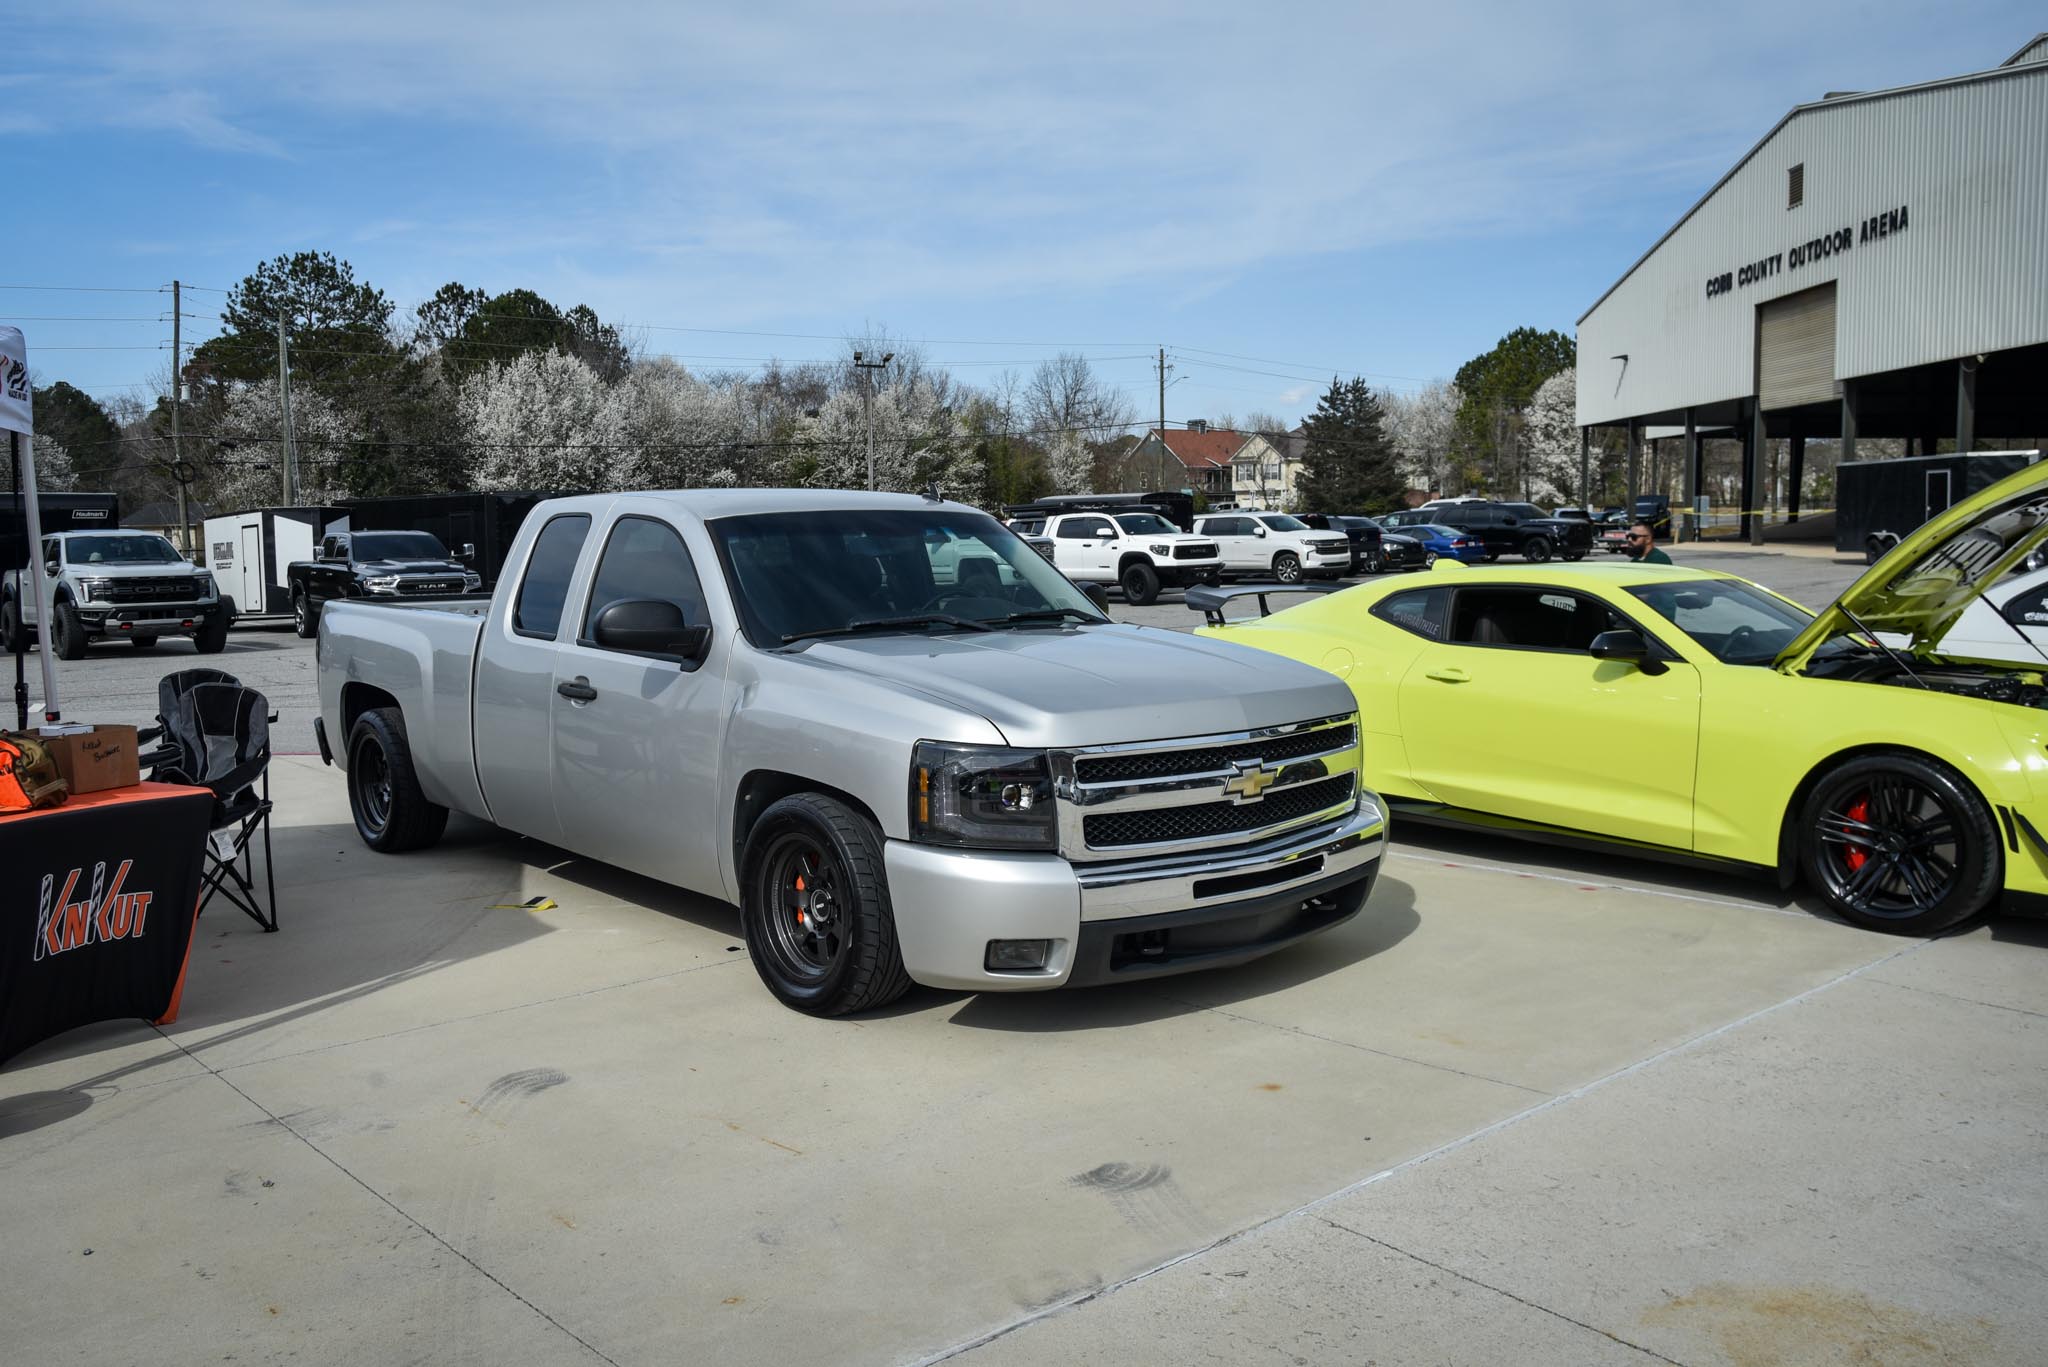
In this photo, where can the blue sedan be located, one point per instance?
(1438, 541)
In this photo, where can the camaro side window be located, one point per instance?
(1418, 610)
(645, 559)
(1530, 618)
(546, 586)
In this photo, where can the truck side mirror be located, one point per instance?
(469, 550)
(652, 627)
(1098, 595)
(1258, 529)
(1629, 646)
(52, 567)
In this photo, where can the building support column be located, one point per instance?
(1585, 467)
(1848, 422)
(1635, 463)
(1693, 471)
(1795, 475)
(1752, 472)
(1966, 404)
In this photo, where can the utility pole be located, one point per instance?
(178, 402)
(867, 371)
(284, 407)
(1162, 418)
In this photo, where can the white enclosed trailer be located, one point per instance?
(248, 553)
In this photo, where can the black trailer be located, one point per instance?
(1177, 508)
(1877, 502)
(476, 528)
(59, 513)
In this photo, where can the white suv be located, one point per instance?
(1277, 544)
(1139, 552)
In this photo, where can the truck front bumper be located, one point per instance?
(154, 619)
(1133, 919)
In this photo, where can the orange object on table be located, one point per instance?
(98, 901)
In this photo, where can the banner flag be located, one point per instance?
(14, 387)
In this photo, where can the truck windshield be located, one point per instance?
(397, 546)
(1146, 524)
(1281, 522)
(120, 550)
(802, 574)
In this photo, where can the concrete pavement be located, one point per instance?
(1522, 1110)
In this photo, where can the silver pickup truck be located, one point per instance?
(969, 779)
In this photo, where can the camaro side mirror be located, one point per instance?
(651, 626)
(1626, 645)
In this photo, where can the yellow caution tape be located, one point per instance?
(530, 904)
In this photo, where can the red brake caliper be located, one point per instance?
(1854, 856)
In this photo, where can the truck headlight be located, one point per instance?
(383, 583)
(471, 581)
(202, 585)
(1163, 552)
(981, 797)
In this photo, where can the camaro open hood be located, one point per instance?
(1925, 582)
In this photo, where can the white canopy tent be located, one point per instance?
(17, 418)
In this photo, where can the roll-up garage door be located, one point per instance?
(1795, 349)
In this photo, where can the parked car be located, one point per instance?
(113, 586)
(374, 565)
(2008, 624)
(1519, 529)
(1904, 786)
(1275, 544)
(1403, 518)
(1445, 543)
(1400, 551)
(1140, 552)
(1614, 538)
(1654, 509)
(1363, 533)
(766, 697)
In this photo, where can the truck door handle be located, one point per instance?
(1450, 674)
(577, 690)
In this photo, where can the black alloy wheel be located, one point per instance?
(1537, 551)
(1140, 583)
(806, 921)
(304, 621)
(1900, 843)
(815, 908)
(369, 778)
(392, 813)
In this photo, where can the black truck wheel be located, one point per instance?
(392, 815)
(69, 633)
(814, 905)
(1537, 550)
(1140, 584)
(305, 617)
(10, 627)
(212, 638)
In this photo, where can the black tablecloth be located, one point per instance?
(97, 903)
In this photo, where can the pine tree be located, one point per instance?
(1349, 465)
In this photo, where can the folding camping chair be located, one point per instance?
(217, 736)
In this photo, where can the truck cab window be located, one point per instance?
(545, 587)
(642, 559)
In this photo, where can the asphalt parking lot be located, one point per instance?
(1529, 1107)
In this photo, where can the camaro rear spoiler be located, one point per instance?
(1210, 601)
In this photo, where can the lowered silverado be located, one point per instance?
(769, 697)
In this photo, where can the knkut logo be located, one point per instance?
(14, 378)
(106, 914)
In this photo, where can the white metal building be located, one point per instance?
(1876, 265)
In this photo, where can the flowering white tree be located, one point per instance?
(547, 421)
(685, 433)
(1553, 435)
(54, 470)
(918, 440)
(1071, 464)
(1424, 427)
(248, 469)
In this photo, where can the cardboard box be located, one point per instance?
(94, 761)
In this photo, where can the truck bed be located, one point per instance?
(423, 654)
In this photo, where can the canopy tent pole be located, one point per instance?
(32, 576)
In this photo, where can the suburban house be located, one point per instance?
(1266, 471)
(1197, 459)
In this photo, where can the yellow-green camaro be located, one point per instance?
(1673, 709)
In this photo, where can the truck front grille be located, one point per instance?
(1161, 763)
(423, 587)
(1170, 797)
(152, 588)
(1216, 818)
(1200, 551)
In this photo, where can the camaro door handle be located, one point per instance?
(1450, 674)
(577, 689)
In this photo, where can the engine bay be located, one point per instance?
(2020, 687)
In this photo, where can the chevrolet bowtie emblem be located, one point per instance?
(1251, 780)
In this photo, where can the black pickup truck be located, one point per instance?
(1518, 529)
(374, 565)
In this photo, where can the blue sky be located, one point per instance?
(1297, 189)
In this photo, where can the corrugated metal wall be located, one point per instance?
(1969, 164)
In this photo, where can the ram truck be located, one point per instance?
(374, 565)
(769, 697)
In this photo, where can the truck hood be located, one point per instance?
(410, 566)
(1923, 584)
(1097, 685)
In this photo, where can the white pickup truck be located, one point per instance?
(772, 698)
(1139, 552)
(114, 586)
